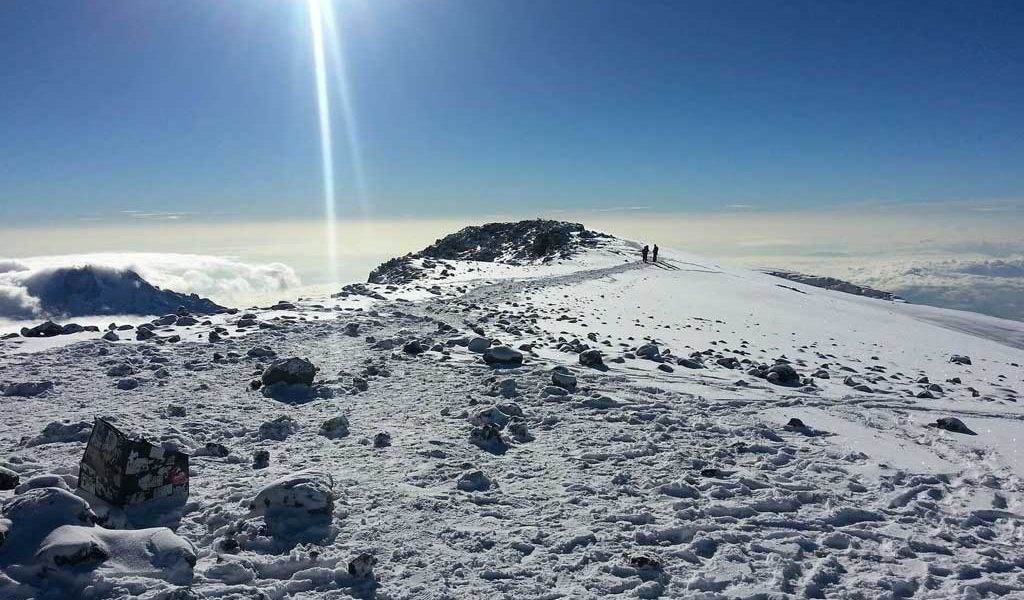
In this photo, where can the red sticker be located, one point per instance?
(177, 476)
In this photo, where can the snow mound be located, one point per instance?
(522, 242)
(154, 553)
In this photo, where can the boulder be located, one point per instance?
(45, 329)
(562, 378)
(960, 359)
(335, 427)
(649, 352)
(361, 567)
(783, 374)
(28, 389)
(289, 371)
(479, 344)
(42, 481)
(592, 358)
(8, 479)
(306, 491)
(503, 356)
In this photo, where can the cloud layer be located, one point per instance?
(220, 279)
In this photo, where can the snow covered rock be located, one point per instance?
(154, 553)
(62, 432)
(278, 429)
(260, 352)
(690, 363)
(503, 356)
(960, 359)
(648, 351)
(491, 415)
(488, 438)
(335, 427)
(562, 378)
(42, 481)
(473, 481)
(35, 513)
(306, 491)
(289, 371)
(28, 388)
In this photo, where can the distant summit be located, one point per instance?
(89, 290)
(522, 242)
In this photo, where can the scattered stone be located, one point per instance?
(648, 351)
(382, 440)
(491, 415)
(260, 459)
(960, 359)
(952, 424)
(335, 427)
(783, 374)
(592, 358)
(479, 344)
(666, 368)
(111, 336)
(261, 352)
(361, 567)
(413, 347)
(128, 383)
(8, 479)
(690, 363)
(28, 389)
(473, 481)
(215, 449)
(562, 378)
(503, 356)
(120, 370)
(488, 438)
(796, 423)
(279, 429)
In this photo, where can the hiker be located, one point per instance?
(644, 253)
(654, 258)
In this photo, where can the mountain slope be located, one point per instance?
(675, 470)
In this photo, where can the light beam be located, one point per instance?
(316, 24)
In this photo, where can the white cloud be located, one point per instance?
(221, 279)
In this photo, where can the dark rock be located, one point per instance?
(952, 424)
(289, 371)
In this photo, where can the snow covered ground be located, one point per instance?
(671, 471)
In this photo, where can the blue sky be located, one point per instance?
(484, 107)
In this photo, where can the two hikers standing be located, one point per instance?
(646, 250)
